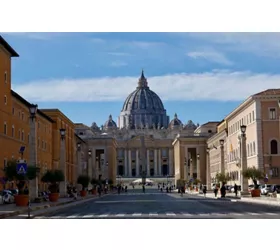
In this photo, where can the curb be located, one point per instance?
(12, 214)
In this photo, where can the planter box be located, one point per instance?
(83, 193)
(53, 197)
(21, 200)
(256, 193)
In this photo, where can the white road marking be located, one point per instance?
(170, 214)
(270, 213)
(72, 216)
(236, 214)
(120, 215)
(208, 214)
(153, 214)
(103, 215)
(56, 217)
(253, 213)
(186, 214)
(135, 214)
(88, 216)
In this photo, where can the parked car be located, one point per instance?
(7, 196)
(14, 191)
(265, 189)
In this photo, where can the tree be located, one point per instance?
(53, 178)
(21, 179)
(196, 181)
(224, 178)
(254, 174)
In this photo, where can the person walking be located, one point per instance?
(235, 189)
(143, 188)
(216, 191)
(204, 190)
(223, 191)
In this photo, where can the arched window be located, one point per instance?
(273, 147)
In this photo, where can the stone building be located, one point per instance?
(143, 140)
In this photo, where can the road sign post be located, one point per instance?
(21, 167)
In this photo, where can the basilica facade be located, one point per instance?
(142, 140)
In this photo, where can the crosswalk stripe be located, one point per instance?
(170, 214)
(103, 215)
(120, 215)
(153, 214)
(135, 214)
(270, 213)
(236, 214)
(72, 216)
(56, 217)
(187, 214)
(88, 216)
(253, 213)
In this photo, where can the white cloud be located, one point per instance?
(262, 44)
(118, 64)
(216, 85)
(211, 56)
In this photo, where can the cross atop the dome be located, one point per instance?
(110, 118)
(175, 116)
(142, 83)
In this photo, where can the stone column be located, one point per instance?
(125, 163)
(148, 162)
(62, 185)
(198, 164)
(191, 165)
(208, 170)
(170, 162)
(186, 166)
(137, 162)
(244, 181)
(33, 185)
(129, 163)
(159, 162)
(155, 162)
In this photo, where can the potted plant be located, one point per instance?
(255, 175)
(94, 183)
(84, 181)
(53, 178)
(21, 180)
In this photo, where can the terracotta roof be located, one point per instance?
(8, 47)
(268, 92)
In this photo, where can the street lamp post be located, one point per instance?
(244, 181)
(33, 187)
(62, 185)
(208, 170)
(222, 156)
(89, 169)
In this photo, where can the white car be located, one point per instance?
(6, 196)
(265, 189)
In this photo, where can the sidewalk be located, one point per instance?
(231, 196)
(10, 210)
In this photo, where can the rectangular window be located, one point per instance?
(22, 116)
(250, 118)
(253, 115)
(5, 99)
(5, 77)
(22, 136)
(13, 111)
(42, 144)
(13, 131)
(272, 113)
(274, 172)
(19, 133)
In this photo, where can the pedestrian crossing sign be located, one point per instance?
(21, 168)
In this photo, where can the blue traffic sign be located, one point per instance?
(265, 180)
(21, 168)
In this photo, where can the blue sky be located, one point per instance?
(201, 76)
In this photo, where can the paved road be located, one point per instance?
(154, 204)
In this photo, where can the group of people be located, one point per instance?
(223, 190)
(168, 188)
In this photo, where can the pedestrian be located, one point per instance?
(235, 189)
(182, 191)
(223, 191)
(119, 189)
(143, 188)
(216, 191)
(125, 189)
(170, 189)
(166, 189)
(204, 190)
(99, 191)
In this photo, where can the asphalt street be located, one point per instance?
(156, 205)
